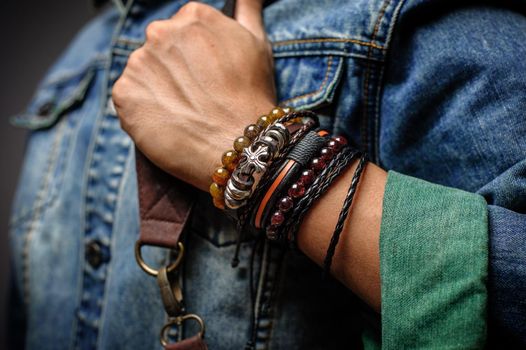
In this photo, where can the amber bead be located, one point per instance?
(287, 110)
(263, 121)
(219, 203)
(276, 113)
(221, 176)
(217, 191)
(252, 131)
(240, 143)
(230, 159)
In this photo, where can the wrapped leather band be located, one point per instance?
(165, 204)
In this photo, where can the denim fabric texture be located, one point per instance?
(431, 89)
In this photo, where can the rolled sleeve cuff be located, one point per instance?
(434, 263)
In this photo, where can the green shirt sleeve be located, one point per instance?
(433, 262)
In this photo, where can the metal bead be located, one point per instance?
(280, 127)
(242, 181)
(271, 144)
(280, 133)
(236, 193)
(232, 203)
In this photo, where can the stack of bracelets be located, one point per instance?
(276, 171)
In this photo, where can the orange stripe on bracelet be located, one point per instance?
(272, 188)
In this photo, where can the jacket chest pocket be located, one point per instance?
(303, 81)
(52, 118)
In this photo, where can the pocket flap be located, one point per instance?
(307, 81)
(54, 100)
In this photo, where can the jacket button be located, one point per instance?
(46, 109)
(94, 254)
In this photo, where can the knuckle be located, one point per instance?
(118, 91)
(196, 10)
(135, 58)
(155, 31)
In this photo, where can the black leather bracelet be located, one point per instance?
(306, 149)
(343, 216)
(337, 165)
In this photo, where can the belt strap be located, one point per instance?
(194, 343)
(165, 204)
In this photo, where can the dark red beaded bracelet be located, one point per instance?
(286, 204)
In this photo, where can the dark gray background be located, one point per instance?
(33, 33)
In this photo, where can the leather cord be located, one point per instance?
(318, 187)
(343, 216)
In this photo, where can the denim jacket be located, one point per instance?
(432, 89)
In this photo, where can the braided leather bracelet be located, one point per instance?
(343, 215)
(337, 165)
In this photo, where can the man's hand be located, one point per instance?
(199, 79)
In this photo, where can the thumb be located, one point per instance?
(248, 14)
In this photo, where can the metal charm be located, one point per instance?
(254, 160)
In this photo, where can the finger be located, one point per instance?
(249, 14)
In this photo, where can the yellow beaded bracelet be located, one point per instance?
(230, 158)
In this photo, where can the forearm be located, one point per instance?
(356, 261)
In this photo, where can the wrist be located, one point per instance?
(211, 152)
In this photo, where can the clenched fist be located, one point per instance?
(194, 85)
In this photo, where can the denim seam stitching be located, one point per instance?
(122, 52)
(265, 265)
(105, 94)
(376, 134)
(367, 73)
(322, 40)
(129, 41)
(38, 213)
(319, 90)
(322, 52)
(112, 245)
